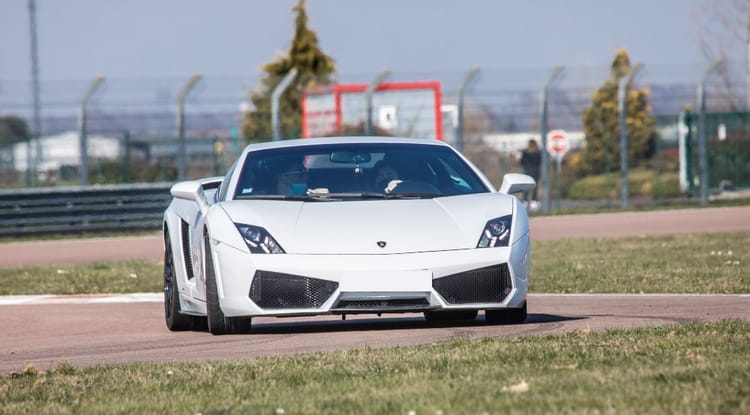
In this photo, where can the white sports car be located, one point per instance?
(345, 225)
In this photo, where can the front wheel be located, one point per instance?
(506, 316)
(217, 322)
(175, 320)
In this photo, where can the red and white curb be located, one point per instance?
(81, 299)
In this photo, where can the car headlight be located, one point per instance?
(258, 240)
(496, 232)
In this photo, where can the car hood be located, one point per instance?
(361, 227)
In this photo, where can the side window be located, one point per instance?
(224, 188)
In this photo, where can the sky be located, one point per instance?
(135, 39)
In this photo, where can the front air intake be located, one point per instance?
(382, 305)
(484, 285)
(275, 290)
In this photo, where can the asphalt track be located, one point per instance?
(94, 330)
(602, 225)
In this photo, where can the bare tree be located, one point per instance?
(724, 32)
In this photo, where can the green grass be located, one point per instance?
(707, 263)
(98, 278)
(83, 235)
(642, 206)
(692, 368)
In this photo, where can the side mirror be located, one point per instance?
(191, 190)
(514, 183)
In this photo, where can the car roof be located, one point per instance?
(340, 140)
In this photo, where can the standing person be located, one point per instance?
(531, 161)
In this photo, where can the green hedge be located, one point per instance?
(641, 183)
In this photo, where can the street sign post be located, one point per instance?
(557, 145)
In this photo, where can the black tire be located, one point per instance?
(200, 323)
(506, 316)
(217, 322)
(450, 315)
(176, 321)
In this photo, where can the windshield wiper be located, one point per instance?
(276, 197)
(413, 195)
(330, 197)
(350, 195)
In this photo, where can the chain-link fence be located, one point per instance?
(728, 135)
(114, 157)
(132, 126)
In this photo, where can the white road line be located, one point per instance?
(22, 299)
(635, 295)
(159, 297)
(81, 299)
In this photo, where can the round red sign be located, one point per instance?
(557, 143)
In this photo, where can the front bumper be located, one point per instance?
(291, 284)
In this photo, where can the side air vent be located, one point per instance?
(187, 255)
(484, 285)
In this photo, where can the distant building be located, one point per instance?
(64, 150)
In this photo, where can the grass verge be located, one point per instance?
(97, 278)
(706, 263)
(74, 236)
(692, 368)
(636, 205)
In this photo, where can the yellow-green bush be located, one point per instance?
(641, 183)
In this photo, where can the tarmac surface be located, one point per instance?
(101, 330)
(86, 333)
(600, 225)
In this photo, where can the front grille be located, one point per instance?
(275, 290)
(484, 285)
(384, 304)
(187, 255)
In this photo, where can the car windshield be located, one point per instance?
(356, 171)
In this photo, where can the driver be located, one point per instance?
(385, 174)
(292, 179)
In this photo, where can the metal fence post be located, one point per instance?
(37, 101)
(368, 98)
(126, 162)
(275, 96)
(182, 153)
(460, 108)
(543, 130)
(702, 150)
(82, 133)
(689, 120)
(623, 107)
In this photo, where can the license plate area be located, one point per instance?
(386, 281)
